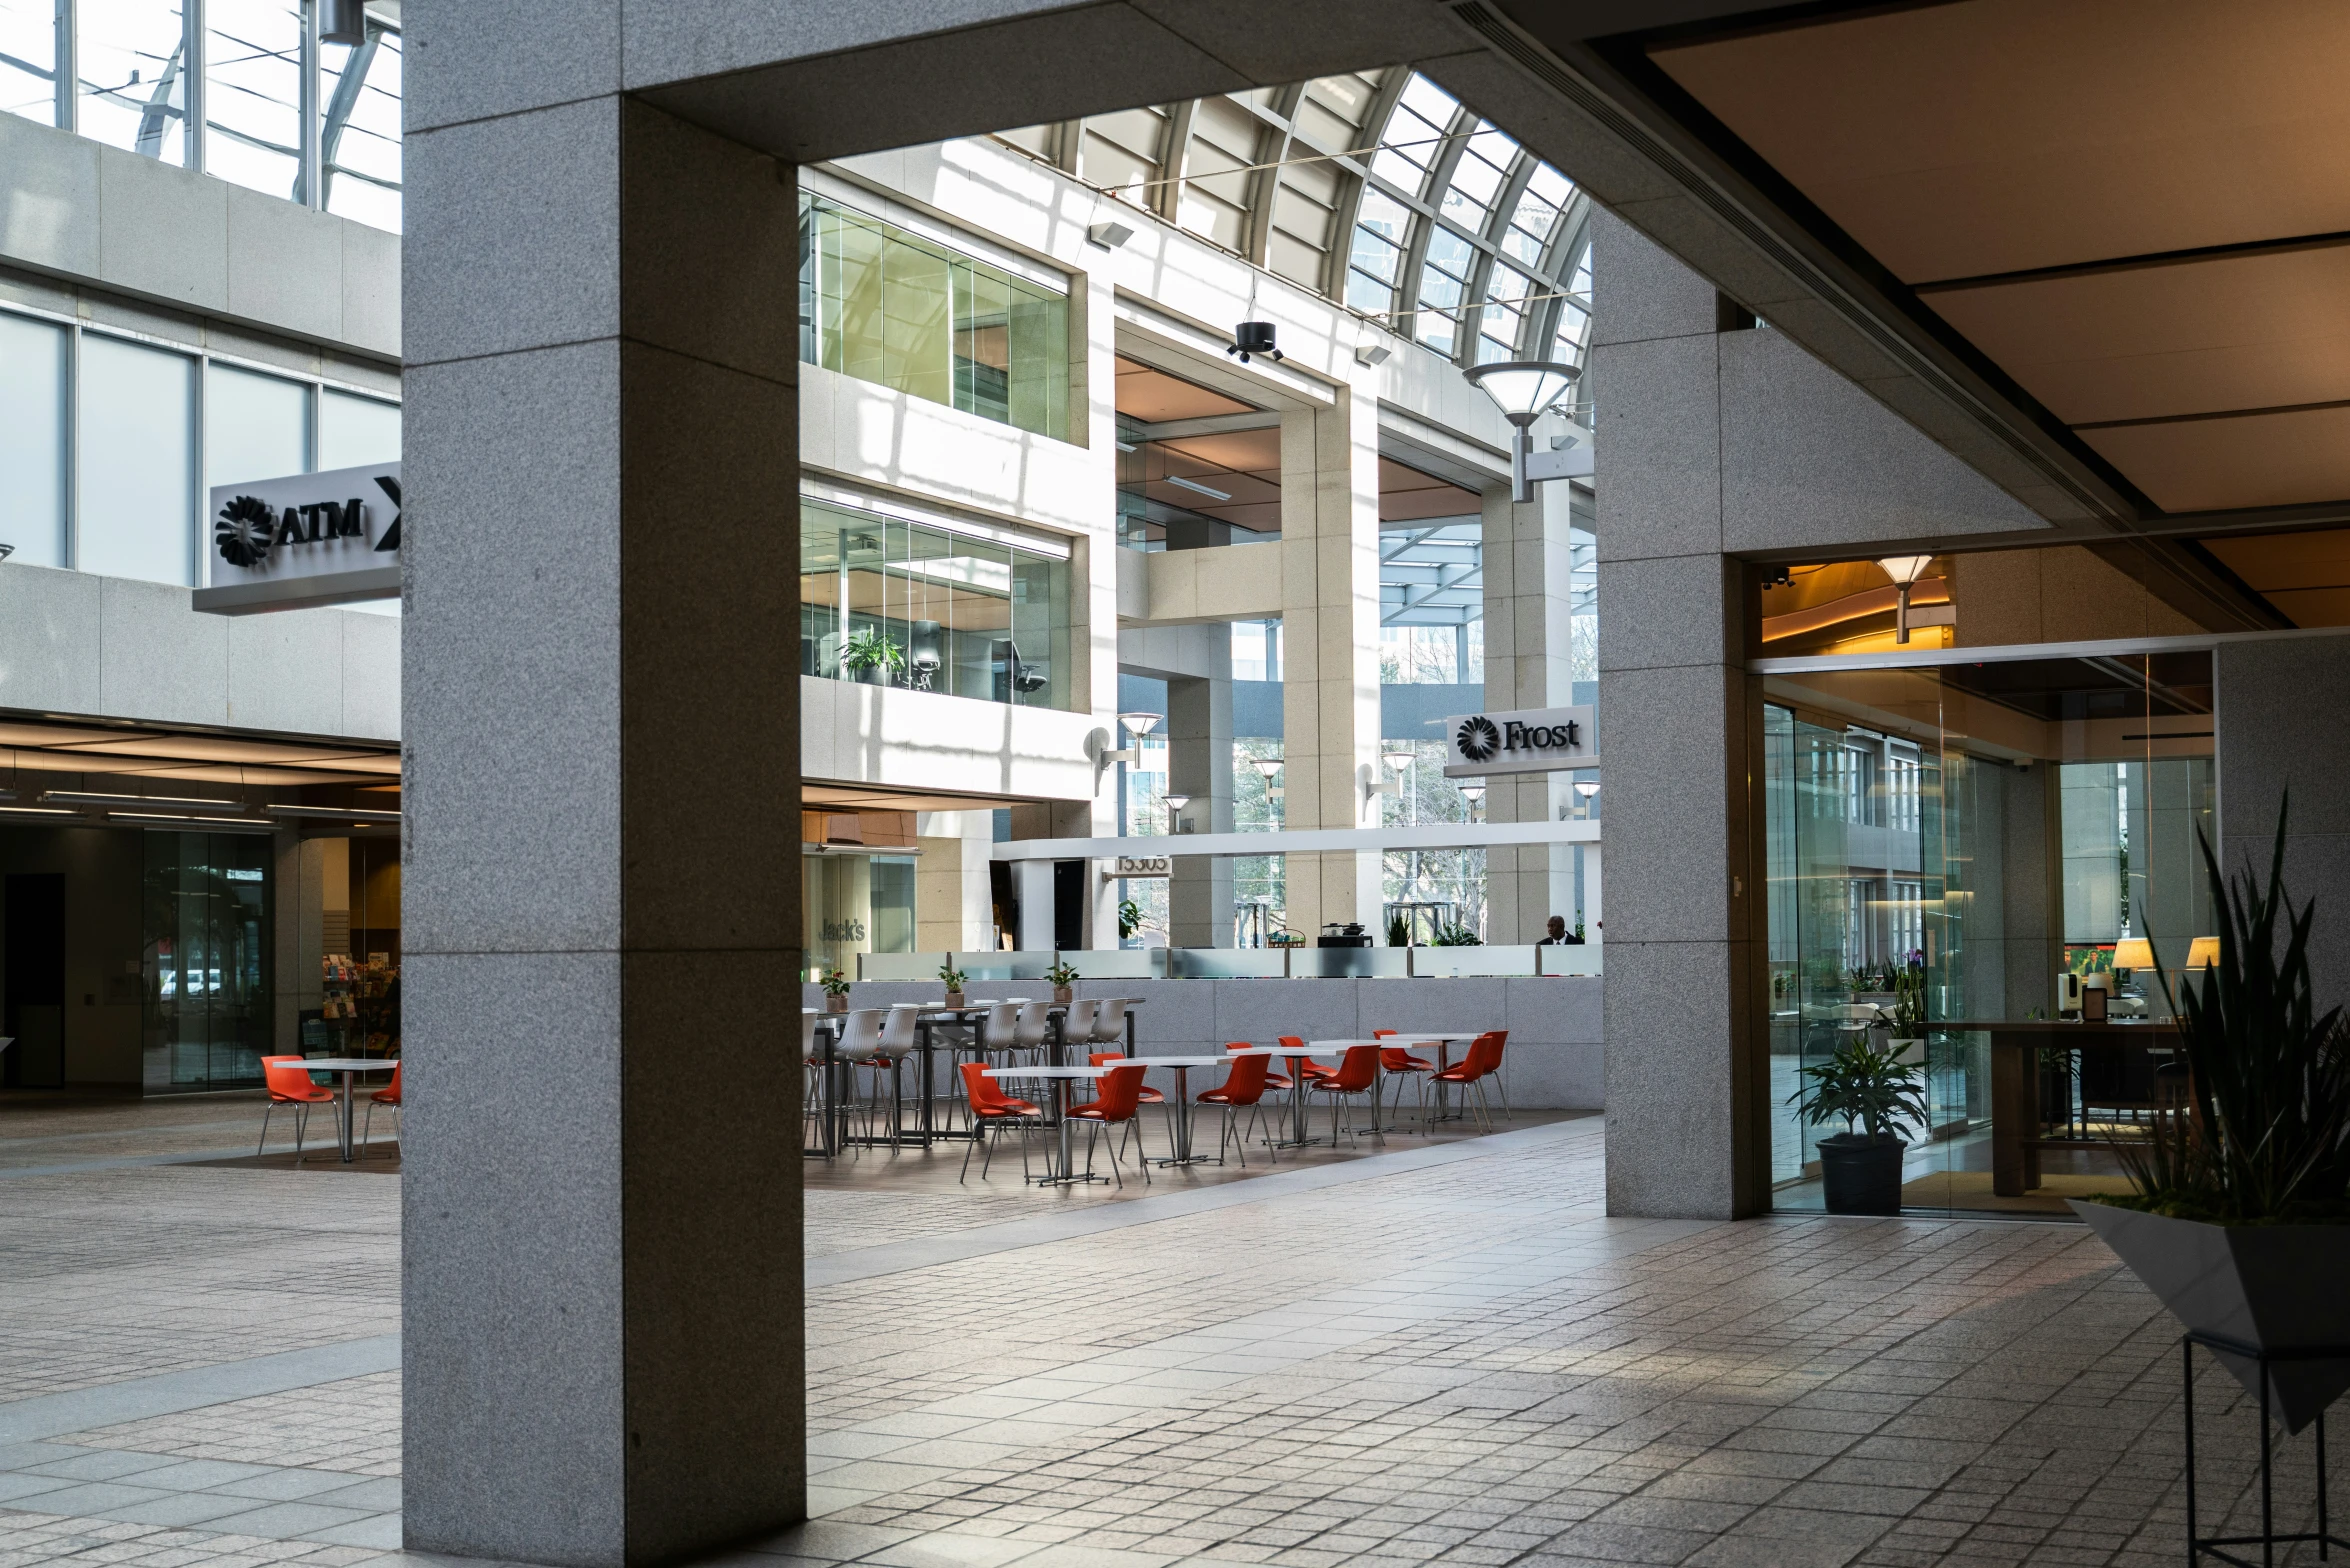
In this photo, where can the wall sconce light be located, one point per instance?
(1373, 353)
(1109, 234)
(1584, 790)
(1137, 724)
(1522, 389)
(1905, 570)
(1474, 794)
(1175, 805)
(1268, 767)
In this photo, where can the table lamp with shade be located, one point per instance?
(2133, 952)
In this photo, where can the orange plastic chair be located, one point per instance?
(1118, 1104)
(1471, 1071)
(1244, 1086)
(1273, 1080)
(1357, 1074)
(386, 1096)
(991, 1107)
(1150, 1096)
(1396, 1060)
(1307, 1068)
(289, 1085)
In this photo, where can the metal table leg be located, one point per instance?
(343, 1109)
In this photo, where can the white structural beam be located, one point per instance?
(1439, 835)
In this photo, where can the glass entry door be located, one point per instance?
(1944, 844)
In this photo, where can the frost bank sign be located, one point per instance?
(1532, 740)
(303, 541)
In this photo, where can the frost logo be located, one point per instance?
(1477, 738)
(245, 531)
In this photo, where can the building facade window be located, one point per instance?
(135, 478)
(888, 602)
(886, 305)
(35, 360)
(100, 465)
(208, 916)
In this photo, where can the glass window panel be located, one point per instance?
(255, 427)
(1371, 296)
(28, 59)
(356, 430)
(887, 306)
(135, 470)
(1450, 252)
(129, 55)
(32, 439)
(1374, 255)
(253, 94)
(1429, 101)
(359, 146)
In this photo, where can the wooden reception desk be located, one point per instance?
(2015, 1085)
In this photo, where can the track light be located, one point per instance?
(1253, 337)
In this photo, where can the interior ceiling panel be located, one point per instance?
(1408, 495)
(1154, 396)
(2267, 329)
(2131, 217)
(1996, 136)
(2250, 460)
(2306, 575)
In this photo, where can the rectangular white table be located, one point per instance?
(1060, 1078)
(350, 1067)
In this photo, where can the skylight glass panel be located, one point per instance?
(1478, 177)
(1538, 213)
(1376, 259)
(1414, 136)
(1443, 286)
(1504, 315)
(1574, 328)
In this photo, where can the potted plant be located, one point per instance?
(869, 656)
(954, 979)
(836, 990)
(2239, 1220)
(1129, 918)
(1062, 978)
(1399, 931)
(1909, 1011)
(1873, 1091)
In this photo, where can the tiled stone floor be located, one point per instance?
(1460, 1363)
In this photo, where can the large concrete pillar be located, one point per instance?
(1528, 597)
(1685, 1134)
(1330, 650)
(2280, 742)
(601, 1275)
(1199, 764)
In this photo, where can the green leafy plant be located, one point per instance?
(1866, 1086)
(1909, 1001)
(835, 982)
(2265, 1136)
(869, 647)
(1129, 918)
(1399, 931)
(1456, 936)
(953, 977)
(1061, 974)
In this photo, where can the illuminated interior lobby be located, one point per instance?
(1214, 528)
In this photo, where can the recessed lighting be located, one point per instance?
(1191, 484)
(74, 797)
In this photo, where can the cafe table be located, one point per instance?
(350, 1067)
(1180, 1119)
(1060, 1078)
(2015, 1085)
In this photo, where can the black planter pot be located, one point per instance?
(1860, 1174)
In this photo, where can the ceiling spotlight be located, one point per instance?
(1253, 337)
(1108, 234)
(1905, 570)
(1372, 353)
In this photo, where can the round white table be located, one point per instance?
(350, 1067)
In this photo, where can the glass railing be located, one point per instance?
(1247, 963)
(892, 307)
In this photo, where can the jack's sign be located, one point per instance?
(1530, 740)
(304, 541)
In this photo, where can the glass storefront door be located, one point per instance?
(1962, 834)
(207, 914)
